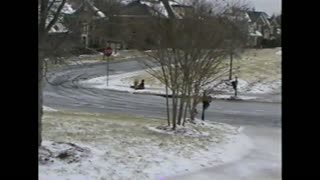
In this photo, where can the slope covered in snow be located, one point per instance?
(104, 147)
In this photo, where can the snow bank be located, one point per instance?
(122, 82)
(221, 96)
(45, 108)
(180, 130)
(117, 82)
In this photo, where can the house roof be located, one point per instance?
(254, 15)
(99, 14)
(152, 7)
(256, 34)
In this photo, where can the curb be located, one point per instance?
(216, 98)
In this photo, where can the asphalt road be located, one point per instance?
(261, 121)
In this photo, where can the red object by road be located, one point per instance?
(108, 51)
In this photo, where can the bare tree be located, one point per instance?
(237, 27)
(190, 53)
(49, 13)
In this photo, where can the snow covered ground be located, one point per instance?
(279, 53)
(110, 148)
(45, 108)
(122, 82)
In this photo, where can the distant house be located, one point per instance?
(84, 20)
(138, 12)
(259, 27)
(275, 22)
(77, 21)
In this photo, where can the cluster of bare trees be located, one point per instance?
(191, 53)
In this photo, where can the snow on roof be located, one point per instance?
(101, 14)
(256, 33)
(58, 28)
(126, 1)
(159, 7)
(67, 9)
(247, 16)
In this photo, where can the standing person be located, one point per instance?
(206, 100)
(235, 86)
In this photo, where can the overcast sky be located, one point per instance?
(268, 6)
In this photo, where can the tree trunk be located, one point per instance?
(230, 70)
(182, 102)
(185, 110)
(40, 74)
(194, 105)
(167, 103)
(174, 109)
(189, 98)
(182, 99)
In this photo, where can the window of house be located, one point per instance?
(85, 28)
(259, 28)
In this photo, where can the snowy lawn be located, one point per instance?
(106, 146)
(45, 108)
(262, 65)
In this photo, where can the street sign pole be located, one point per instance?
(108, 71)
(108, 52)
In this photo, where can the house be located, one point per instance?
(139, 12)
(275, 22)
(77, 21)
(83, 21)
(259, 27)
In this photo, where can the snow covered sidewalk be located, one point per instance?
(130, 148)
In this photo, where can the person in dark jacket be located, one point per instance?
(235, 86)
(206, 100)
(141, 85)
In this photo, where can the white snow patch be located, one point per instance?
(279, 52)
(240, 129)
(180, 130)
(115, 54)
(67, 9)
(116, 82)
(83, 62)
(222, 96)
(45, 108)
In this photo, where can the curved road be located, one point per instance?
(261, 121)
